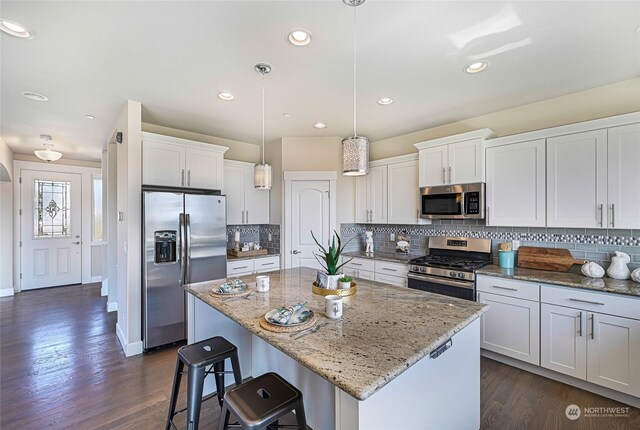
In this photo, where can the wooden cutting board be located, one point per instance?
(553, 259)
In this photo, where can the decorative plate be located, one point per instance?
(230, 288)
(296, 319)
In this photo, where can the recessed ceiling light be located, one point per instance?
(35, 96)
(15, 29)
(477, 67)
(299, 37)
(385, 100)
(319, 125)
(286, 115)
(90, 117)
(638, 29)
(226, 96)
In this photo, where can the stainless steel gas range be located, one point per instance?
(449, 267)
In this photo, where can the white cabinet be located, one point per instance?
(516, 184)
(511, 325)
(387, 272)
(250, 266)
(602, 347)
(371, 196)
(245, 203)
(623, 176)
(403, 195)
(173, 162)
(455, 159)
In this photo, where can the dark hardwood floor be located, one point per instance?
(61, 366)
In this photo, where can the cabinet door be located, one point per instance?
(403, 193)
(433, 166)
(256, 202)
(624, 176)
(563, 340)
(613, 353)
(163, 164)
(234, 190)
(577, 180)
(466, 162)
(510, 327)
(377, 194)
(516, 184)
(204, 169)
(362, 205)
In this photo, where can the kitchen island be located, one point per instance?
(376, 368)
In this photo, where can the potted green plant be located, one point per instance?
(344, 282)
(329, 259)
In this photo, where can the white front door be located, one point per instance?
(309, 212)
(50, 229)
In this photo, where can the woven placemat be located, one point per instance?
(221, 295)
(287, 329)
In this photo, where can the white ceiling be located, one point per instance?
(174, 57)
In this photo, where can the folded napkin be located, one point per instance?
(229, 286)
(284, 313)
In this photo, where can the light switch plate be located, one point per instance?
(515, 244)
(392, 237)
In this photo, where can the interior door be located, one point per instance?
(309, 212)
(50, 229)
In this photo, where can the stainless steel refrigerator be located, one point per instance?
(184, 241)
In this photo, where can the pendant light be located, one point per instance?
(355, 149)
(262, 171)
(47, 154)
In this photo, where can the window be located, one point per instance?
(97, 208)
(51, 209)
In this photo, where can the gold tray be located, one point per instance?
(327, 292)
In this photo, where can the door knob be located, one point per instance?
(76, 243)
(295, 251)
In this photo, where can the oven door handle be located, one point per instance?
(439, 280)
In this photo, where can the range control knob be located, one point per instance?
(460, 275)
(423, 269)
(452, 274)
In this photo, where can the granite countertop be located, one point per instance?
(395, 257)
(252, 257)
(567, 279)
(384, 329)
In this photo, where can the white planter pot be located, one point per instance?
(345, 285)
(328, 281)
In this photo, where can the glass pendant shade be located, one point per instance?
(262, 176)
(48, 155)
(355, 156)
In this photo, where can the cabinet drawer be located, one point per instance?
(266, 264)
(364, 274)
(605, 303)
(238, 268)
(508, 287)
(360, 264)
(392, 269)
(391, 280)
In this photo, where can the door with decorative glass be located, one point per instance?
(50, 226)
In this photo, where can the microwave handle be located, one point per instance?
(462, 205)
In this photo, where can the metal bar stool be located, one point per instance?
(260, 402)
(197, 357)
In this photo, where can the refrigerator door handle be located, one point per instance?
(188, 248)
(182, 251)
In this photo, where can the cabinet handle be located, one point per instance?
(242, 217)
(504, 288)
(267, 264)
(601, 214)
(580, 324)
(586, 301)
(389, 270)
(443, 173)
(592, 328)
(189, 178)
(418, 214)
(488, 220)
(449, 174)
(247, 217)
(355, 264)
(241, 267)
(182, 178)
(613, 215)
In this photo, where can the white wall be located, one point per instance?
(6, 220)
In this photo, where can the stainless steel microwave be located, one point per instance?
(464, 201)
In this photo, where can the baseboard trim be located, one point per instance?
(112, 306)
(129, 349)
(104, 290)
(565, 379)
(6, 292)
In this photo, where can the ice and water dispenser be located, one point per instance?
(165, 246)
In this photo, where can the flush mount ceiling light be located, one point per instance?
(299, 37)
(477, 67)
(15, 29)
(226, 96)
(319, 125)
(286, 115)
(355, 149)
(90, 117)
(35, 96)
(47, 154)
(262, 171)
(385, 101)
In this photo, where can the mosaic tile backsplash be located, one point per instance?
(256, 233)
(596, 245)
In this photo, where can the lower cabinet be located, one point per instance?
(251, 266)
(387, 272)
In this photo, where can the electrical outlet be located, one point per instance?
(515, 244)
(392, 237)
(269, 237)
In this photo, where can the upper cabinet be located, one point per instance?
(371, 196)
(173, 162)
(455, 159)
(623, 176)
(245, 203)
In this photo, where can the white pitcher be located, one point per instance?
(618, 268)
